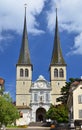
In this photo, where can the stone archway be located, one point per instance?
(40, 114)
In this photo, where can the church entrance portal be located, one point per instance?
(40, 114)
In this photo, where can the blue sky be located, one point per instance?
(40, 27)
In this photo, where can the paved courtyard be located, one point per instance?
(40, 128)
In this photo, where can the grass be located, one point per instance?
(22, 126)
(11, 126)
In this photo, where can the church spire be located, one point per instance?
(24, 57)
(57, 58)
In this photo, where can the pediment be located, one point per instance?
(41, 83)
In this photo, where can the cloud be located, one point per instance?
(12, 14)
(70, 19)
(77, 49)
(12, 18)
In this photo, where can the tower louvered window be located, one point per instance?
(61, 73)
(55, 72)
(26, 73)
(21, 73)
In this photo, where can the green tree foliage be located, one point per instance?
(65, 91)
(58, 113)
(8, 112)
(7, 97)
(1, 90)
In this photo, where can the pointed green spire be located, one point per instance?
(24, 57)
(57, 57)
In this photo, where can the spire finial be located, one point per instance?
(56, 11)
(25, 8)
(56, 8)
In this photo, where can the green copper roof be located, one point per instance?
(24, 57)
(57, 57)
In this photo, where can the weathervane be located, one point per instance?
(25, 5)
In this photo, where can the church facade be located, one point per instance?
(33, 99)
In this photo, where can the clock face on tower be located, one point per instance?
(40, 84)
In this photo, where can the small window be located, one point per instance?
(55, 72)
(35, 97)
(41, 98)
(23, 83)
(80, 113)
(26, 72)
(21, 114)
(80, 99)
(21, 73)
(61, 73)
(47, 97)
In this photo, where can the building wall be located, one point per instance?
(76, 105)
(26, 119)
(40, 96)
(23, 85)
(57, 83)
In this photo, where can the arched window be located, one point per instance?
(61, 73)
(55, 72)
(26, 72)
(21, 73)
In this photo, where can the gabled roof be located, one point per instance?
(24, 57)
(75, 85)
(57, 57)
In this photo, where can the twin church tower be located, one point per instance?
(40, 94)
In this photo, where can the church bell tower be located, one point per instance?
(23, 71)
(57, 67)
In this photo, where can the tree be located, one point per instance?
(65, 91)
(1, 90)
(51, 113)
(7, 97)
(8, 112)
(58, 113)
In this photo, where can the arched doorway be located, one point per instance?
(40, 114)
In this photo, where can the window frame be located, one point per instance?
(55, 72)
(35, 97)
(80, 113)
(21, 72)
(80, 99)
(61, 73)
(26, 72)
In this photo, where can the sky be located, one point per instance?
(41, 30)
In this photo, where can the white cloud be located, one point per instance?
(78, 44)
(12, 15)
(70, 19)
